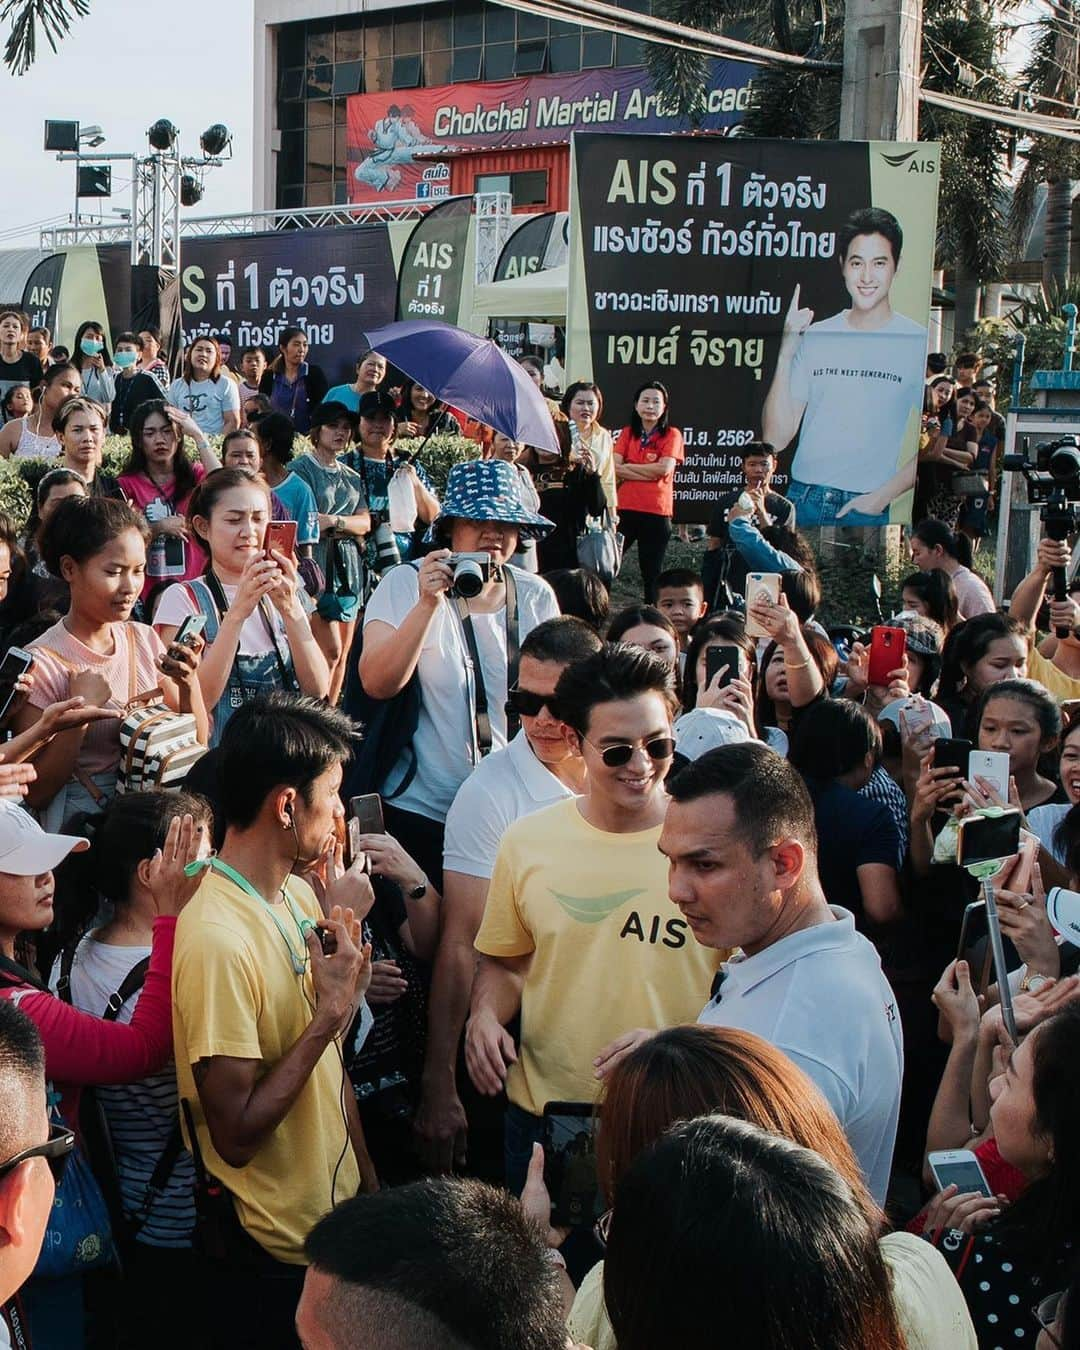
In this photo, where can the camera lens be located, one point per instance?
(468, 578)
(1065, 462)
(386, 549)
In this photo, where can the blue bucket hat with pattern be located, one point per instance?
(487, 489)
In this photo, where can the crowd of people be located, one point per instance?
(402, 945)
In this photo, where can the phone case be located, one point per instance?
(756, 584)
(887, 648)
(988, 764)
(281, 537)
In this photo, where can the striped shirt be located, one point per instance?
(140, 1115)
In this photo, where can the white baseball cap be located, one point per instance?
(25, 848)
(704, 729)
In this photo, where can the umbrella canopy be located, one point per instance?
(470, 373)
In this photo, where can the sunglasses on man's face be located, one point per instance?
(525, 703)
(615, 756)
(55, 1150)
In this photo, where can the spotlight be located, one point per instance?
(162, 135)
(191, 190)
(215, 139)
(92, 136)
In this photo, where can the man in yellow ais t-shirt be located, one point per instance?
(258, 1009)
(578, 932)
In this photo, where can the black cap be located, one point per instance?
(375, 403)
(323, 414)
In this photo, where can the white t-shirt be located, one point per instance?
(861, 391)
(972, 594)
(508, 784)
(207, 401)
(819, 996)
(176, 604)
(1043, 821)
(141, 1114)
(445, 738)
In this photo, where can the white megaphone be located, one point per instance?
(1063, 911)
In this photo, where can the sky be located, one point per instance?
(126, 64)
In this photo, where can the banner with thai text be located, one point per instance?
(780, 290)
(389, 133)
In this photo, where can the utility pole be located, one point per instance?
(880, 94)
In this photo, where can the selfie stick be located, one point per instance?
(997, 948)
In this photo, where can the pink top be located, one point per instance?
(58, 655)
(972, 594)
(142, 491)
(81, 1048)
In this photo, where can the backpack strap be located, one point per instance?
(480, 711)
(513, 647)
(132, 982)
(63, 983)
(159, 1178)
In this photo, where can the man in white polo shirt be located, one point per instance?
(537, 768)
(742, 851)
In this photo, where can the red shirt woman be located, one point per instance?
(646, 454)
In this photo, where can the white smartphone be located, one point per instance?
(958, 1167)
(760, 585)
(993, 765)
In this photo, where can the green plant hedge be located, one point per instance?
(19, 477)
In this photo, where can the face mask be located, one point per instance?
(125, 360)
(90, 346)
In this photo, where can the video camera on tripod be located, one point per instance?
(1053, 484)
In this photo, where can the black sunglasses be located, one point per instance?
(615, 756)
(525, 703)
(56, 1151)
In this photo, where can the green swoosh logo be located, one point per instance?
(595, 908)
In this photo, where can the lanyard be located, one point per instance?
(299, 962)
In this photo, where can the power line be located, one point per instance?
(993, 75)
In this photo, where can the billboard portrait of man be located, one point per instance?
(850, 387)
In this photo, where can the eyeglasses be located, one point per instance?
(615, 756)
(525, 703)
(1045, 1313)
(55, 1150)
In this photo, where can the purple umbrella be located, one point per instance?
(471, 373)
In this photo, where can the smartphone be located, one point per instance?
(887, 648)
(1001, 969)
(191, 627)
(952, 753)
(974, 945)
(993, 765)
(174, 555)
(16, 662)
(1025, 869)
(716, 658)
(570, 1163)
(367, 812)
(758, 585)
(281, 537)
(958, 1167)
(353, 836)
(987, 838)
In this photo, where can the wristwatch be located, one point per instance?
(1031, 984)
(418, 891)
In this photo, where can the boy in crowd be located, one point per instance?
(252, 369)
(578, 935)
(680, 597)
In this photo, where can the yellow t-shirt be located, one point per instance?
(1059, 684)
(235, 993)
(610, 951)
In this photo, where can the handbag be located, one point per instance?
(78, 1236)
(968, 484)
(600, 548)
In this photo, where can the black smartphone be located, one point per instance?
(174, 554)
(570, 1163)
(1001, 967)
(974, 945)
(987, 838)
(367, 812)
(16, 662)
(952, 753)
(718, 657)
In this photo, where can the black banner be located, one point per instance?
(432, 271)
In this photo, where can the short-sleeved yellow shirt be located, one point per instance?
(235, 993)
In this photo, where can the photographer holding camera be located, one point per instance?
(454, 621)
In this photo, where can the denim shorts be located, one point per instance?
(816, 504)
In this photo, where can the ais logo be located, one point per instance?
(909, 158)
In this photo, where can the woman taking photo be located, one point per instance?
(292, 385)
(99, 548)
(204, 391)
(370, 373)
(646, 456)
(159, 479)
(580, 486)
(258, 636)
(276, 437)
(83, 1049)
(583, 405)
(90, 357)
(729, 690)
(422, 414)
(344, 520)
(35, 436)
(413, 625)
